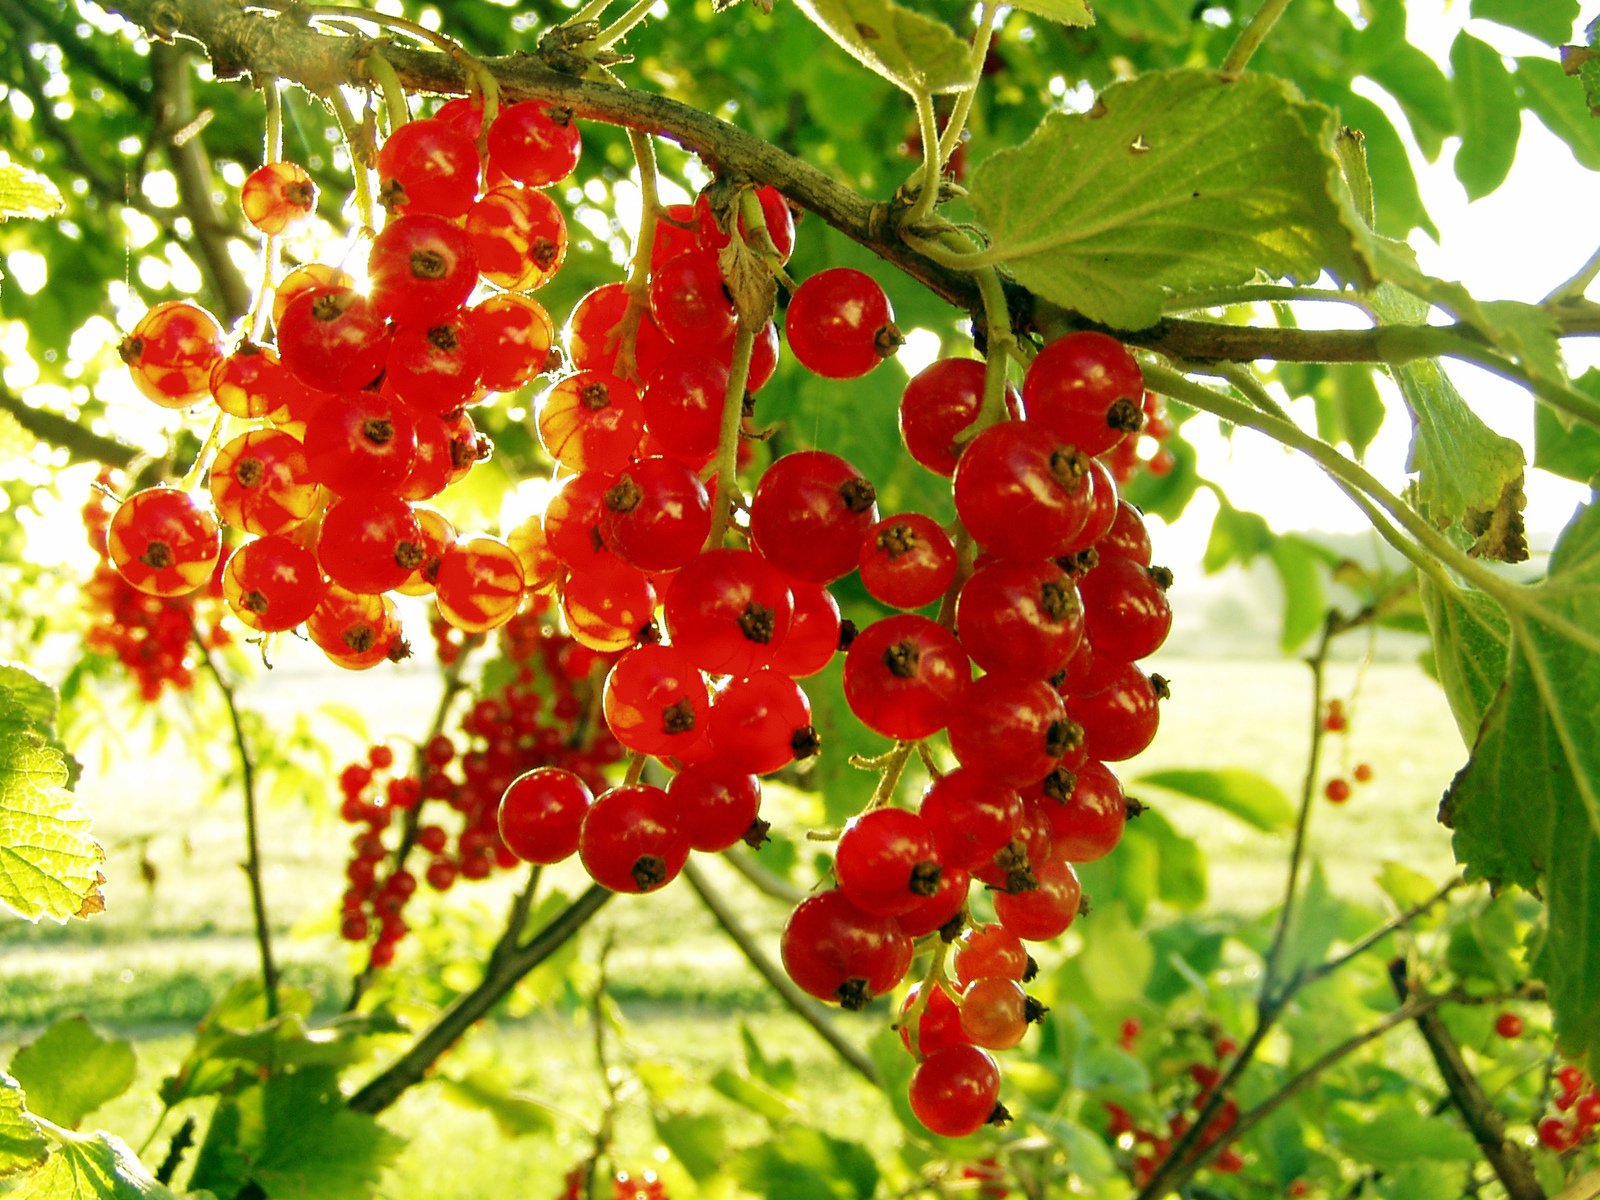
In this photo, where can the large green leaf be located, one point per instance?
(1397, 1134)
(914, 52)
(1174, 183)
(1573, 453)
(1423, 90)
(1067, 12)
(1491, 118)
(807, 1164)
(1526, 808)
(69, 1071)
(1252, 798)
(49, 865)
(1470, 643)
(94, 1167)
(1462, 465)
(21, 1144)
(1558, 101)
(1548, 20)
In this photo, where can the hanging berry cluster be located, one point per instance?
(152, 636)
(1148, 1147)
(1579, 1099)
(708, 607)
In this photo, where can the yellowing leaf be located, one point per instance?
(25, 193)
(914, 52)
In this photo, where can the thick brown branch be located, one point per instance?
(265, 45)
(1508, 1159)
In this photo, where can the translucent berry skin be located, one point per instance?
(447, 447)
(514, 335)
(1126, 615)
(904, 675)
(572, 520)
(332, 338)
(370, 544)
(810, 514)
(1127, 537)
(1043, 914)
(632, 841)
(813, 637)
(885, 861)
(302, 279)
(656, 515)
(1021, 492)
(519, 237)
(1010, 728)
(171, 352)
(838, 953)
(251, 382)
(990, 952)
(683, 408)
(729, 612)
(971, 816)
(162, 542)
(438, 535)
(656, 701)
(355, 631)
(606, 606)
(533, 145)
(1089, 824)
(428, 166)
(276, 196)
(541, 814)
(938, 910)
(689, 302)
(1087, 389)
(907, 561)
(762, 723)
(938, 1027)
(261, 482)
(594, 335)
(1019, 618)
(272, 584)
(435, 370)
(1120, 719)
(954, 1092)
(591, 421)
(939, 404)
(360, 444)
(839, 323)
(422, 270)
(479, 584)
(716, 806)
(994, 1013)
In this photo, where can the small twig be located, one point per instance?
(764, 881)
(1393, 925)
(802, 1005)
(517, 918)
(252, 863)
(1508, 1160)
(1251, 37)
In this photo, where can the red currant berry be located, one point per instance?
(422, 270)
(689, 302)
(435, 370)
(1337, 790)
(541, 814)
(591, 421)
(162, 542)
(1126, 615)
(1127, 537)
(1089, 824)
(946, 904)
(1021, 492)
(1508, 1025)
(762, 723)
(813, 633)
(683, 408)
(729, 611)
(272, 584)
(519, 237)
(836, 952)
(1087, 389)
(907, 561)
(1362, 772)
(607, 606)
(333, 339)
(370, 544)
(632, 840)
(904, 676)
(991, 952)
(938, 1026)
(717, 807)
(656, 515)
(514, 336)
(276, 196)
(995, 1013)
(1019, 618)
(1120, 719)
(971, 817)
(428, 166)
(478, 583)
(810, 514)
(656, 701)
(261, 482)
(886, 862)
(956, 1092)
(534, 143)
(840, 325)
(171, 353)
(1042, 914)
(360, 443)
(937, 408)
(1011, 729)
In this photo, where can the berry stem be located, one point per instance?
(623, 25)
(252, 829)
(932, 163)
(951, 138)
(893, 769)
(727, 460)
(202, 460)
(933, 977)
(638, 282)
(1251, 37)
(798, 1002)
(255, 323)
(353, 137)
(382, 73)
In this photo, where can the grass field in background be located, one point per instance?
(162, 952)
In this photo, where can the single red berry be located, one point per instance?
(840, 325)
(904, 675)
(478, 583)
(422, 270)
(171, 353)
(261, 482)
(1087, 389)
(836, 952)
(519, 237)
(514, 336)
(956, 1092)
(1337, 790)
(656, 515)
(717, 807)
(428, 166)
(272, 584)
(163, 542)
(632, 839)
(938, 1026)
(607, 606)
(591, 421)
(729, 611)
(946, 904)
(252, 382)
(370, 544)
(333, 339)
(1021, 491)
(541, 814)
(656, 701)
(991, 952)
(1089, 823)
(1127, 537)
(435, 370)
(689, 302)
(762, 723)
(277, 195)
(810, 514)
(1363, 772)
(1126, 615)
(1010, 729)
(971, 815)
(995, 1013)
(886, 861)
(1120, 719)
(937, 408)
(683, 408)
(360, 443)
(534, 143)
(1020, 618)
(813, 637)
(907, 561)
(1044, 913)
(1508, 1025)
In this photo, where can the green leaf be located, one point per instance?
(1573, 453)
(95, 1167)
(69, 1071)
(1236, 537)
(1252, 798)
(49, 865)
(1558, 101)
(1405, 886)
(22, 1145)
(698, 1140)
(914, 52)
(25, 193)
(1423, 90)
(514, 1114)
(1526, 808)
(1297, 562)
(1548, 20)
(1117, 962)
(1396, 1134)
(36, 698)
(1491, 117)
(1462, 465)
(1181, 864)
(807, 1164)
(1349, 408)
(1174, 183)
(753, 1094)
(1471, 638)
(1067, 12)
(1166, 21)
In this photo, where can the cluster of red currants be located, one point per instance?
(1579, 1098)
(1059, 605)
(360, 411)
(625, 1185)
(152, 636)
(1336, 719)
(1149, 1147)
(535, 723)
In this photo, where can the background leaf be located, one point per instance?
(1251, 797)
(914, 52)
(69, 1070)
(25, 193)
(1491, 120)
(1548, 20)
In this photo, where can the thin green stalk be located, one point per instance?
(624, 25)
(1251, 37)
(1575, 287)
(339, 12)
(383, 74)
(951, 138)
(644, 154)
(727, 460)
(589, 12)
(932, 165)
(892, 771)
(366, 207)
